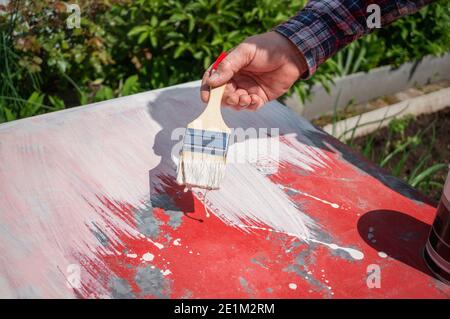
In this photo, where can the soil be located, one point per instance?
(439, 152)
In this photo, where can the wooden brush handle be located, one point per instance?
(215, 99)
(212, 115)
(211, 118)
(215, 94)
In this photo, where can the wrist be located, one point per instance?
(294, 54)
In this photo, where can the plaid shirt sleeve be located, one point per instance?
(323, 27)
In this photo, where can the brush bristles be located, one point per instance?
(201, 170)
(203, 158)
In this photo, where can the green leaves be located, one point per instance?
(430, 171)
(56, 102)
(146, 44)
(130, 86)
(138, 30)
(32, 105)
(8, 114)
(415, 157)
(104, 93)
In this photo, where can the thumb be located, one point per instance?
(233, 62)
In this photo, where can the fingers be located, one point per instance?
(204, 87)
(233, 62)
(243, 100)
(233, 96)
(246, 95)
(256, 102)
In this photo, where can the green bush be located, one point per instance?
(125, 46)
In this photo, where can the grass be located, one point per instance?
(415, 149)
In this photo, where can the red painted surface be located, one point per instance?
(98, 153)
(219, 261)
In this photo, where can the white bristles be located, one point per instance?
(201, 170)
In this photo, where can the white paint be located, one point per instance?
(292, 286)
(204, 205)
(248, 196)
(334, 205)
(176, 242)
(355, 254)
(382, 254)
(63, 172)
(158, 245)
(148, 257)
(131, 255)
(166, 272)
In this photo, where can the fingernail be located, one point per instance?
(214, 77)
(243, 104)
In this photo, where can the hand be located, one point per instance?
(258, 70)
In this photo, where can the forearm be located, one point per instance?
(323, 27)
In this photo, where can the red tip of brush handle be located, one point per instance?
(219, 59)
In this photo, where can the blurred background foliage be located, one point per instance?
(124, 47)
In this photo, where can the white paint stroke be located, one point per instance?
(158, 245)
(166, 272)
(148, 256)
(354, 253)
(334, 205)
(382, 254)
(66, 174)
(249, 197)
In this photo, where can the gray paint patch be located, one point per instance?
(187, 294)
(163, 201)
(99, 234)
(302, 261)
(245, 285)
(151, 282)
(120, 289)
(147, 223)
(326, 238)
(175, 218)
(259, 263)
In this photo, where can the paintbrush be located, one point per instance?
(203, 156)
